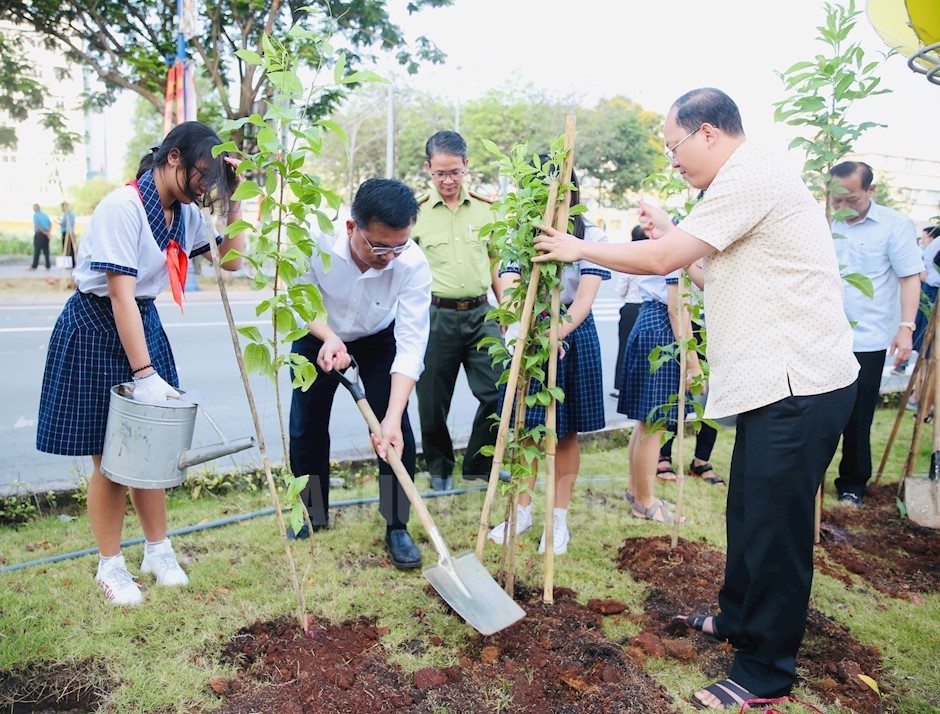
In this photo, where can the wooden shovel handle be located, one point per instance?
(401, 473)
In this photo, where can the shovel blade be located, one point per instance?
(922, 499)
(473, 593)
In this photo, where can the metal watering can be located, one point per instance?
(149, 445)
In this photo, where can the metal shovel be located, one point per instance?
(922, 495)
(461, 581)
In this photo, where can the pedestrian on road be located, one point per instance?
(881, 244)
(110, 333)
(42, 225)
(579, 376)
(760, 232)
(376, 288)
(448, 231)
(67, 227)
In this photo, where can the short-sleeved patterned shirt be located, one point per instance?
(773, 295)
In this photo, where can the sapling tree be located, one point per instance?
(294, 208)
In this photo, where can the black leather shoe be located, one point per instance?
(303, 533)
(405, 554)
(503, 477)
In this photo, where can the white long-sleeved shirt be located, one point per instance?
(359, 304)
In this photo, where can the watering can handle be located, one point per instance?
(349, 378)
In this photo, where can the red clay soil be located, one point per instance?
(877, 547)
(687, 579)
(555, 660)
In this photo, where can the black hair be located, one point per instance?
(638, 234)
(708, 105)
(849, 168)
(195, 140)
(446, 142)
(578, 226)
(387, 201)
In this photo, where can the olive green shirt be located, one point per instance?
(459, 257)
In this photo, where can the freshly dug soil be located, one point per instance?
(555, 660)
(687, 579)
(54, 687)
(877, 547)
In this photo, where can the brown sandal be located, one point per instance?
(666, 473)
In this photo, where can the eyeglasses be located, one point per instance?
(454, 175)
(201, 174)
(384, 249)
(671, 153)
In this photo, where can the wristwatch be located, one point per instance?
(910, 325)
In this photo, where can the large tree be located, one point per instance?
(127, 43)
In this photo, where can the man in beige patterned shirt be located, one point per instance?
(780, 351)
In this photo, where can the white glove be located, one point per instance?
(152, 389)
(510, 337)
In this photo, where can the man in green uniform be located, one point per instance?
(448, 231)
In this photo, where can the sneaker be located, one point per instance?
(117, 583)
(161, 561)
(561, 536)
(850, 499)
(523, 524)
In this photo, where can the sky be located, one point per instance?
(652, 52)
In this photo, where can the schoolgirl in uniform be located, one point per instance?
(643, 395)
(109, 332)
(579, 375)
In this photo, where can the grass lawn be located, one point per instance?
(160, 657)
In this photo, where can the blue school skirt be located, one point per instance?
(85, 359)
(643, 396)
(579, 375)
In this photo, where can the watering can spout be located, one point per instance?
(191, 457)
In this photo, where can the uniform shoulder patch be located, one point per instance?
(481, 197)
(422, 198)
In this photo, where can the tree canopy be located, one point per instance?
(128, 44)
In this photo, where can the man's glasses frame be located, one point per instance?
(384, 249)
(671, 153)
(454, 175)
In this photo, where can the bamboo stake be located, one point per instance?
(551, 411)
(918, 372)
(923, 408)
(525, 322)
(512, 521)
(259, 431)
(682, 309)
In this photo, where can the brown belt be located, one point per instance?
(458, 304)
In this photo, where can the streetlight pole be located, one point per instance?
(390, 134)
(457, 107)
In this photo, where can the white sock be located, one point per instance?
(105, 559)
(159, 545)
(526, 510)
(561, 515)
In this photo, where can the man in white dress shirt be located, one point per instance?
(881, 244)
(377, 295)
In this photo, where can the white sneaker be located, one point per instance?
(161, 561)
(117, 583)
(561, 536)
(523, 523)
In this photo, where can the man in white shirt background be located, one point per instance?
(377, 295)
(881, 244)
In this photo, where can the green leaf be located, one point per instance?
(251, 332)
(257, 358)
(246, 189)
(860, 282)
(339, 69)
(249, 57)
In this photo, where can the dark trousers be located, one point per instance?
(781, 452)
(40, 245)
(704, 442)
(453, 342)
(310, 426)
(928, 296)
(629, 312)
(855, 467)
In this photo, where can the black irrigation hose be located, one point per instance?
(244, 517)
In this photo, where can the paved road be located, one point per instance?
(204, 356)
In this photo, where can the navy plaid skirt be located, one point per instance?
(643, 395)
(579, 375)
(85, 359)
